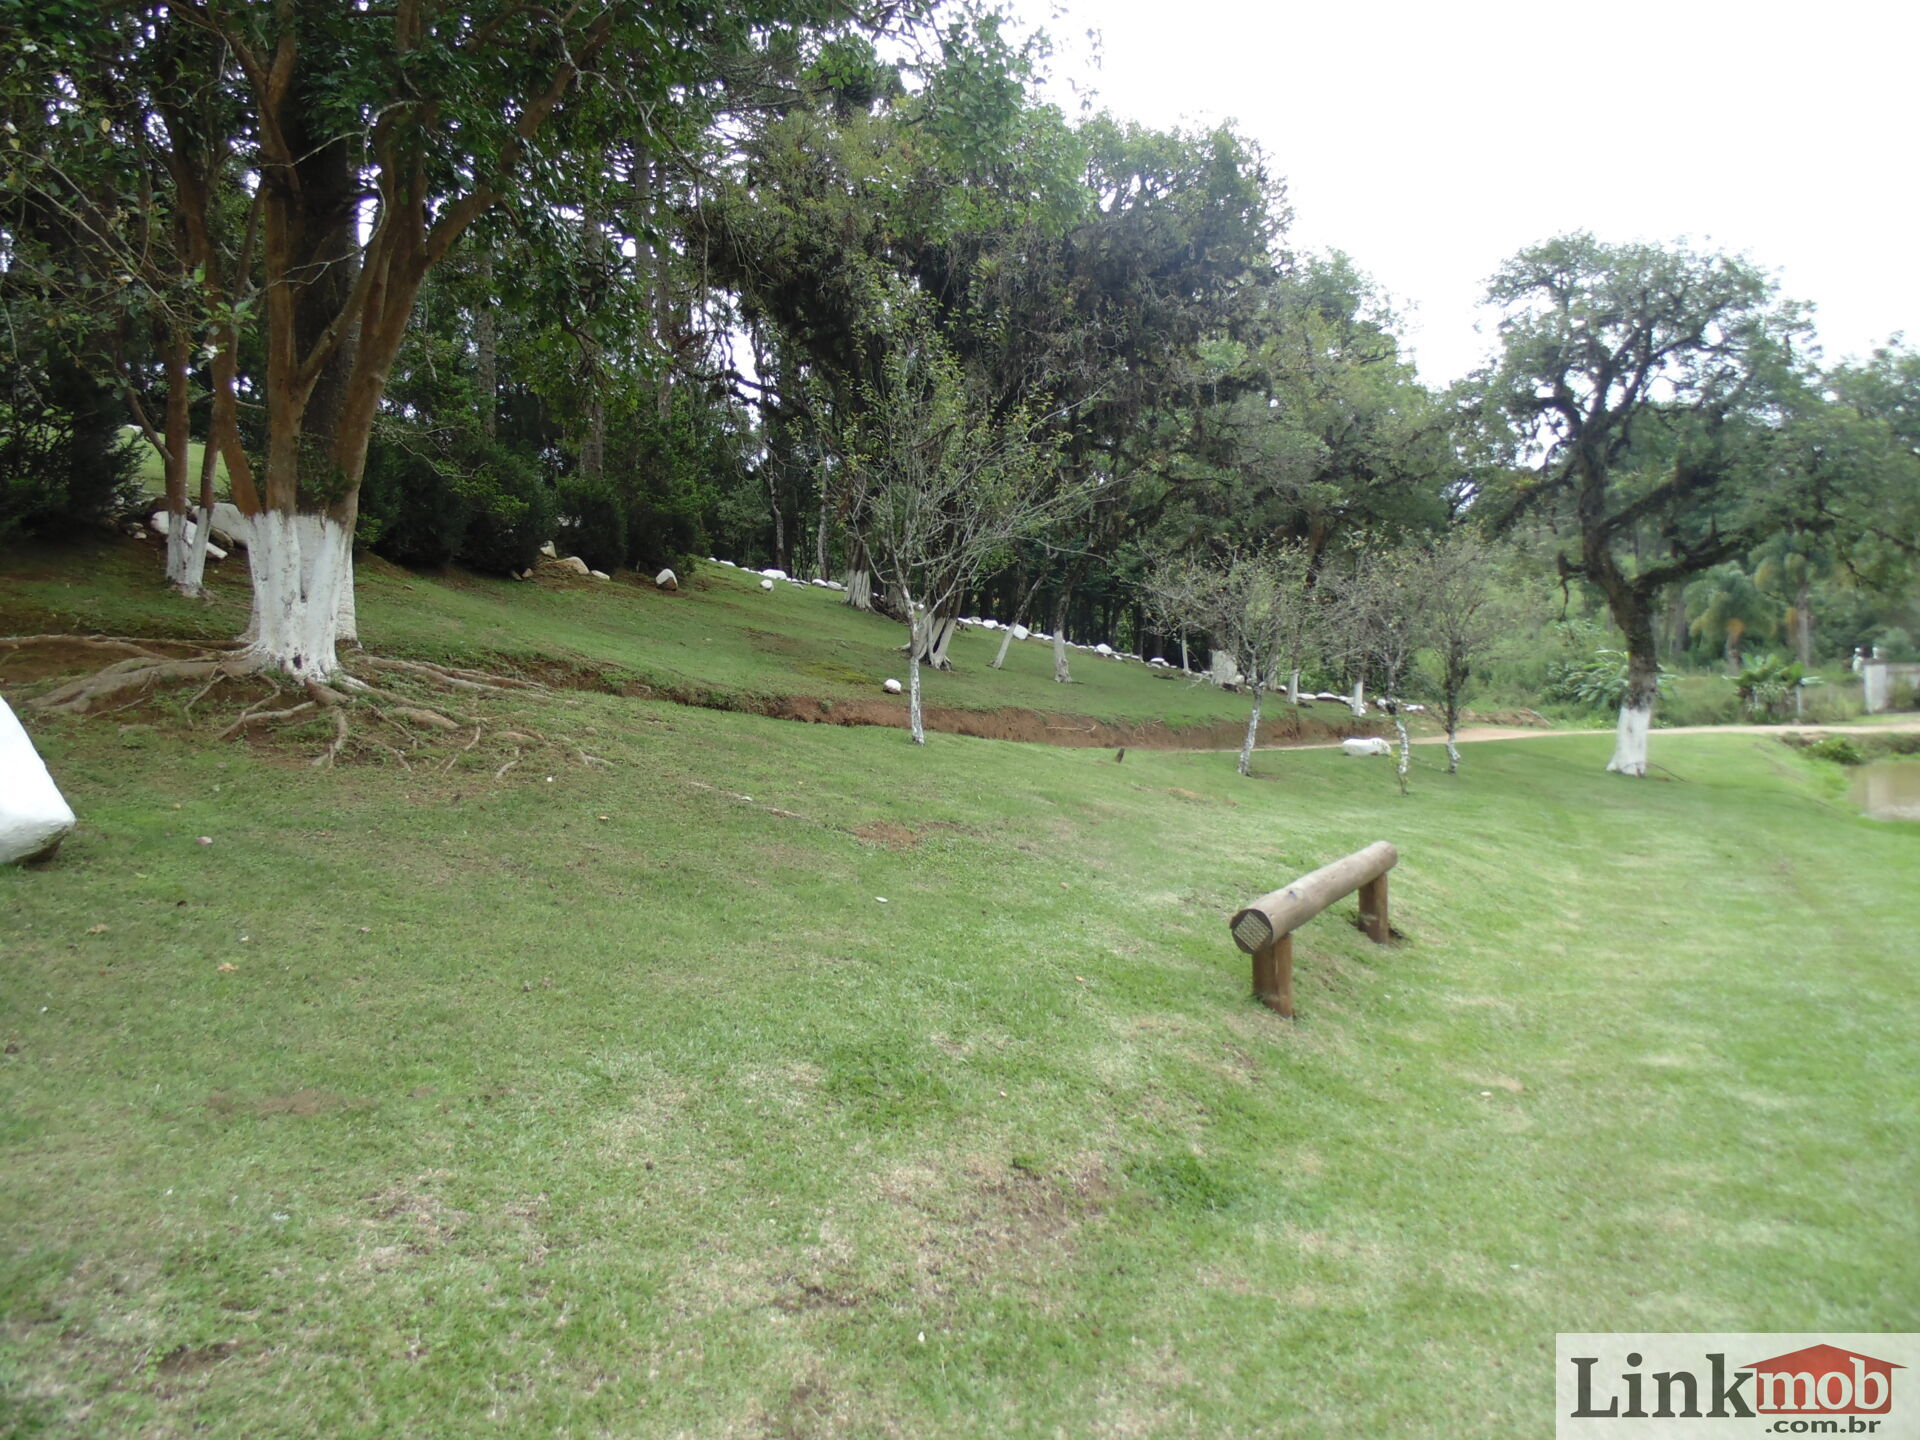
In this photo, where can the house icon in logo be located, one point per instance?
(1823, 1380)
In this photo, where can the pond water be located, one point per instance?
(1889, 789)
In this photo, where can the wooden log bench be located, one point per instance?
(1264, 929)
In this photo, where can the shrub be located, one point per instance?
(1766, 685)
(64, 461)
(1598, 682)
(1837, 748)
(434, 496)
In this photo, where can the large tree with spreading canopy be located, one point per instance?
(1646, 383)
(363, 143)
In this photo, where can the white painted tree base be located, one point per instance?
(1253, 733)
(1630, 741)
(34, 816)
(302, 590)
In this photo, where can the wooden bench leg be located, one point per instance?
(1273, 975)
(1373, 910)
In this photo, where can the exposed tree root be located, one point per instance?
(77, 697)
(450, 676)
(133, 680)
(265, 717)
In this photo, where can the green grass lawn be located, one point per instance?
(721, 641)
(763, 1079)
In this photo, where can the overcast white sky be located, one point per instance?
(1431, 141)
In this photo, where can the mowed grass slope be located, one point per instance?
(721, 640)
(783, 1080)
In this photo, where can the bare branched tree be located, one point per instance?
(1378, 605)
(1462, 620)
(936, 490)
(1258, 608)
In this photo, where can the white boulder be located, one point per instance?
(892, 687)
(1374, 746)
(34, 817)
(599, 574)
(1020, 632)
(766, 584)
(162, 523)
(667, 580)
(231, 525)
(774, 574)
(548, 551)
(573, 565)
(1156, 662)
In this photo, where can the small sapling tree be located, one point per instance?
(1258, 608)
(1380, 605)
(937, 490)
(1461, 622)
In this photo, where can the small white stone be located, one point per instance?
(766, 584)
(1020, 632)
(599, 574)
(892, 687)
(667, 580)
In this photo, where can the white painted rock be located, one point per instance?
(599, 574)
(1020, 632)
(162, 524)
(667, 580)
(548, 551)
(34, 818)
(892, 687)
(1156, 661)
(231, 525)
(574, 564)
(1366, 747)
(774, 574)
(766, 585)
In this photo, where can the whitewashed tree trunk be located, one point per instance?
(1061, 674)
(860, 588)
(1186, 667)
(194, 582)
(300, 565)
(940, 635)
(1636, 705)
(1293, 687)
(1358, 704)
(1453, 751)
(915, 720)
(1006, 644)
(1406, 748)
(347, 612)
(1253, 732)
(178, 547)
(1630, 739)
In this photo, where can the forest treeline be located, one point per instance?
(662, 281)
